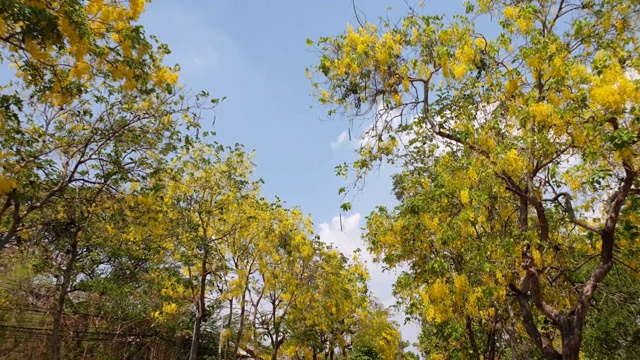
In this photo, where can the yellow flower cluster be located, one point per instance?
(7, 185)
(166, 76)
(512, 161)
(80, 70)
(472, 176)
(461, 284)
(613, 90)
(136, 8)
(441, 304)
(35, 50)
(464, 196)
(511, 13)
(439, 290)
(541, 112)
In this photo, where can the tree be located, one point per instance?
(91, 114)
(285, 253)
(376, 336)
(208, 197)
(59, 48)
(546, 110)
(74, 115)
(457, 278)
(326, 316)
(92, 278)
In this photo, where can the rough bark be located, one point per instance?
(571, 340)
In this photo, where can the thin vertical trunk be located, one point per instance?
(240, 324)
(55, 340)
(511, 331)
(522, 294)
(275, 340)
(220, 340)
(226, 340)
(490, 350)
(15, 221)
(523, 215)
(200, 310)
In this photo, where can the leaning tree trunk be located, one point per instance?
(472, 338)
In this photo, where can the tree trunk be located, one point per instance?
(55, 340)
(200, 311)
(240, 324)
(220, 340)
(571, 345)
(511, 332)
(472, 338)
(571, 330)
(226, 339)
(276, 348)
(490, 350)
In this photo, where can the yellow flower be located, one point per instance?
(459, 70)
(472, 176)
(439, 290)
(524, 25)
(541, 112)
(7, 185)
(512, 86)
(397, 99)
(166, 76)
(537, 257)
(511, 13)
(512, 160)
(169, 308)
(136, 8)
(461, 283)
(79, 70)
(464, 196)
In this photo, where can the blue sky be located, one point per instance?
(254, 53)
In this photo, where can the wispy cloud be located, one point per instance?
(339, 140)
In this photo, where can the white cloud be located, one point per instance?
(344, 232)
(339, 140)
